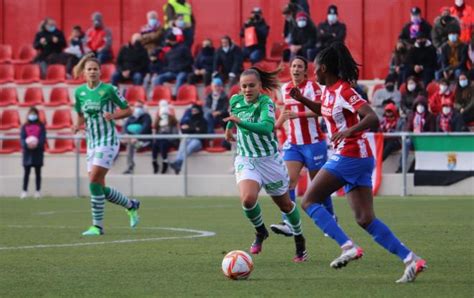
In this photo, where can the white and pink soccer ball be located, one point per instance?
(32, 142)
(237, 264)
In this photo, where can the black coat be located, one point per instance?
(456, 122)
(261, 29)
(205, 59)
(305, 37)
(232, 61)
(50, 47)
(179, 59)
(328, 34)
(33, 157)
(423, 55)
(425, 28)
(134, 58)
(462, 56)
(196, 123)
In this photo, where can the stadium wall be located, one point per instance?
(373, 25)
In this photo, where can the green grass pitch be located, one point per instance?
(153, 261)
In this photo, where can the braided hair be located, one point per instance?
(339, 62)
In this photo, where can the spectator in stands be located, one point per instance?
(289, 14)
(99, 38)
(196, 124)
(132, 62)
(417, 24)
(202, 68)
(331, 30)
(387, 95)
(165, 123)
(217, 105)
(413, 90)
(76, 49)
(178, 62)
(49, 42)
(33, 140)
(444, 93)
(303, 38)
(398, 63)
(464, 98)
(391, 122)
(453, 56)
(228, 61)
(137, 124)
(255, 33)
(470, 53)
(465, 15)
(449, 120)
(183, 34)
(439, 33)
(301, 5)
(152, 33)
(178, 13)
(420, 119)
(422, 59)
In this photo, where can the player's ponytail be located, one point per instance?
(268, 79)
(79, 68)
(339, 61)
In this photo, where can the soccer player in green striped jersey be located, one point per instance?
(96, 105)
(258, 162)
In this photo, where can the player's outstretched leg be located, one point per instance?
(283, 228)
(114, 196)
(97, 206)
(254, 214)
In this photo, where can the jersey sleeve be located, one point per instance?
(267, 112)
(77, 102)
(118, 98)
(352, 100)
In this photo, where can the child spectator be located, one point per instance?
(391, 122)
(165, 123)
(449, 119)
(217, 105)
(386, 95)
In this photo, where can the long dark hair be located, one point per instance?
(268, 79)
(339, 62)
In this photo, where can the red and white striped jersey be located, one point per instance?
(339, 108)
(302, 130)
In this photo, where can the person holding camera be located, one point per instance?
(255, 33)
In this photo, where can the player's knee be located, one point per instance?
(249, 200)
(293, 183)
(364, 219)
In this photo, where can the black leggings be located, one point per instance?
(26, 177)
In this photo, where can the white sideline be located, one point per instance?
(199, 233)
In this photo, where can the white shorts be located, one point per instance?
(270, 172)
(102, 156)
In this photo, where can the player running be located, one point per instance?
(306, 145)
(352, 164)
(258, 163)
(96, 106)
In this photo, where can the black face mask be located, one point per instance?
(390, 88)
(207, 51)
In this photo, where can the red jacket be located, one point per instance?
(466, 18)
(435, 100)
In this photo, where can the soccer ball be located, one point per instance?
(237, 264)
(32, 142)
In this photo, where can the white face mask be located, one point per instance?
(411, 87)
(332, 18)
(443, 89)
(137, 112)
(420, 109)
(301, 23)
(458, 3)
(225, 49)
(453, 37)
(446, 110)
(415, 19)
(463, 83)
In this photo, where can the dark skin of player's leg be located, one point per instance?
(321, 187)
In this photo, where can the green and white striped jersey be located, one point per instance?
(249, 143)
(92, 103)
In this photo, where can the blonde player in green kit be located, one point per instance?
(96, 106)
(258, 162)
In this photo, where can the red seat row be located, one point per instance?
(62, 118)
(25, 54)
(187, 94)
(34, 96)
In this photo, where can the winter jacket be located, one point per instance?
(326, 31)
(33, 157)
(134, 58)
(50, 47)
(179, 59)
(232, 61)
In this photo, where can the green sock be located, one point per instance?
(254, 214)
(97, 204)
(294, 220)
(114, 196)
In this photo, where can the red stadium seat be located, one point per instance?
(8, 96)
(267, 65)
(106, 72)
(284, 75)
(33, 97)
(276, 52)
(55, 74)
(234, 90)
(9, 119)
(42, 117)
(187, 94)
(215, 146)
(159, 93)
(59, 96)
(5, 53)
(29, 73)
(83, 146)
(25, 55)
(7, 73)
(62, 145)
(11, 146)
(134, 94)
(62, 118)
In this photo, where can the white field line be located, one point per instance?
(198, 234)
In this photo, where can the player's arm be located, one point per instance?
(368, 120)
(264, 127)
(79, 122)
(118, 99)
(295, 93)
(282, 119)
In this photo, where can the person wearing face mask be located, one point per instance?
(255, 32)
(202, 67)
(439, 33)
(465, 14)
(417, 24)
(449, 120)
(183, 33)
(464, 98)
(413, 90)
(175, 7)
(138, 123)
(33, 139)
(151, 33)
(216, 106)
(331, 30)
(420, 119)
(165, 123)
(49, 42)
(398, 62)
(99, 38)
(444, 93)
(389, 94)
(132, 62)
(391, 122)
(453, 56)
(228, 61)
(422, 59)
(303, 38)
